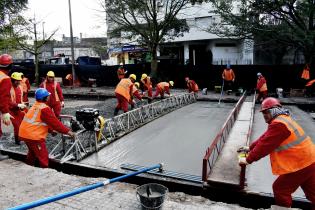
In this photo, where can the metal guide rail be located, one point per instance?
(96, 133)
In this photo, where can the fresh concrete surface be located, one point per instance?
(178, 139)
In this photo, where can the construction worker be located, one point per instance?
(5, 96)
(135, 93)
(163, 87)
(121, 72)
(291, 150)
(38, 121)
(191, 85)
(56, 100)
(146, 81)
(123, 93)
(306, 72)
(261, 88)
(228, 77)
(17, 107)
(309, 88)
(25, 83)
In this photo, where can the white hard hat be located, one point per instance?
(259, 74)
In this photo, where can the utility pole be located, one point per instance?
(72, 48)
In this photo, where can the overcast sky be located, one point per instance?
(55, 13)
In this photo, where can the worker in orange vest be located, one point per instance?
(25, 83)
(135, 93)
(121, 72)
(123, 93)
(229, 77)
(5, 96)
(291, 150)
(306, 72)
(37, 123)
(17, 107)
(261, 88)
(191, 85)
(146, 81)
(56, 100)
(163, 87)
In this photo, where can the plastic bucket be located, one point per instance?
(151, 196)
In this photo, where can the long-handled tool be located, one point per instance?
(222, 88)
(81, 189)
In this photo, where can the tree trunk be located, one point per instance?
(154, 63)
(36, 70)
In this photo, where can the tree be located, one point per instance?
(148, 22)
(289, 25)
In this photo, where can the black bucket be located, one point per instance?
(152, 195)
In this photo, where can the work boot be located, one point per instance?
(17, 141)
(116, 112)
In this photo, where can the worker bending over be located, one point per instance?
(56, 100)
(146, 81)
(123, 93)
(291, 150)
(163, 87)
(17, 107)
(25, 84)
(37, 123)
(135, 93)
(191, 85)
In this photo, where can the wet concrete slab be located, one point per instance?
(259, 176)
(178, 139)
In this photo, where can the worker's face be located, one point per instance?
(50, 79)
(267, 116)
(16, 83)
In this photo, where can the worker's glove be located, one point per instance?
(242, 161)
(71, 134)
(170, 95)
(62, 104)
(244, 149)
(21, 106)
(6, 118)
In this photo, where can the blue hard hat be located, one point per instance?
(41, 93)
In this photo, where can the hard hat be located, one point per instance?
(269, 103)
(16, 76)
(41, 93)
(259, 74)
(133, 76)
(121, 64)
(5, 60)
(50, 74)
(21, 73)
(186, 79)
(171, 83)
(137, 84)
(228, 66)
(144, 76)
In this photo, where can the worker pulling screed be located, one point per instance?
(191, 85)
(5, 96)
(163, 87)
(146, 81)
(123, 93)
(17, 107)
(261, 88)
(56, 100)
(37, 123)
(25, 84)
(135, 93)
(291, 150)
(229, 77)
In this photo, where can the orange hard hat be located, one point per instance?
(5, 60)
(269, 103)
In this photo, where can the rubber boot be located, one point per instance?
(116, 112)
(17, 141)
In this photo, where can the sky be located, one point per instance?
(86, 18)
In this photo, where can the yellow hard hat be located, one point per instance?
(137, 84)
(133, 76)
(144, 76)
(21, 73)
(50, 74)
(16, 76)
(171, 83)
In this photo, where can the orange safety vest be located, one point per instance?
(55, 89)
(13, 96)
(294, 153)
(3, 76)
(228, 75)
(23, 84)
(32, 127)
(263, 87)
(147, 82)
(123, 88)
(162, 85)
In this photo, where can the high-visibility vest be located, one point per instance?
(32, 127)
(162, 85)
(13, 95)
(123, 88)
(263, 87)
(228, 75)
(147, 82)
(55, 90)
(23, 84)
(294, 153)
(3, 76)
